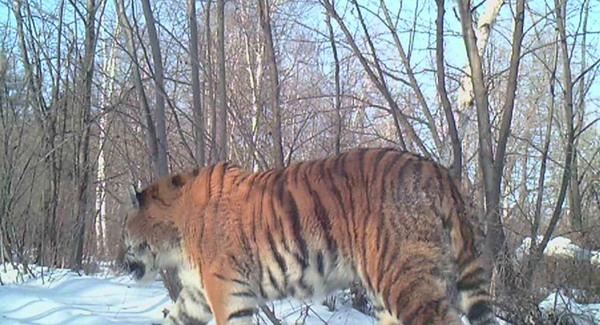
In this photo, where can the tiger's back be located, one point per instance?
(391, 220)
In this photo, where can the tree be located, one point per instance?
(197, 108)
(161, 164)
(456, 167)
(270, 57)
(151, 134)
(220, 124)
(336, 77)
(83, 204)
(492, 166)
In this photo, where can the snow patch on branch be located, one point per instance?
(560, 247)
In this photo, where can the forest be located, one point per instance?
(97, 96)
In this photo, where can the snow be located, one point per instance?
(563, 308)
(64, 297)
(560, 247)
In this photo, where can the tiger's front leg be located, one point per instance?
(190, 308)
(231, 298)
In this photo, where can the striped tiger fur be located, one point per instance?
(392, 220)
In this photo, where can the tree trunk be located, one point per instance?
(484, 27)
(169, 276)
(109, 70)
(492, 167)
(84, 160)
(47, 122)
(210, 100)
(337, 99)
(198, 110)
(161, 167)
(255, 73)
(139, 86)
(456, 167)
(220, 142)
(537, 251)
(265, 24)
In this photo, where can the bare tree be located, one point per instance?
(46, 120)
(83, 204)
(538, 250)
(414, 84)
(484, 29)
(220, 124)
(377, 79)
(270, 57)
(456, 167)
(139, 87)
(196, 91)
(337, 99)
(492, 167)
(255, 62)
(161, 164)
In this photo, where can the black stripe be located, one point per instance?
(223, 278)
(385, 250)
(209, 171)
(274, 283)
(376, 162)
(288, 203)
(440, 182)
(278, 258)
(387, 268)
(320, 265)
(295, 171)
(479, 310)
(255, 216)
(342, 168)
(246, 312)
(222, 180)
(321, 215)
(242, 178)
(426, 312)
(352, 216)
(470, 284)
(238, 265)
(244, 294)
(337, 195)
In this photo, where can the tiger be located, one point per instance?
(391, 220)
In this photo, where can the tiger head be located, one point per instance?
(152, 239)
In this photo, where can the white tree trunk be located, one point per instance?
(105, 99)
(100, 197)
(484, 27)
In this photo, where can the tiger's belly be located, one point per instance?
(315, 277)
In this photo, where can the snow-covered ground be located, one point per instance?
(64, 297)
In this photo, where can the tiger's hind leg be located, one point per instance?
(412, 289)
